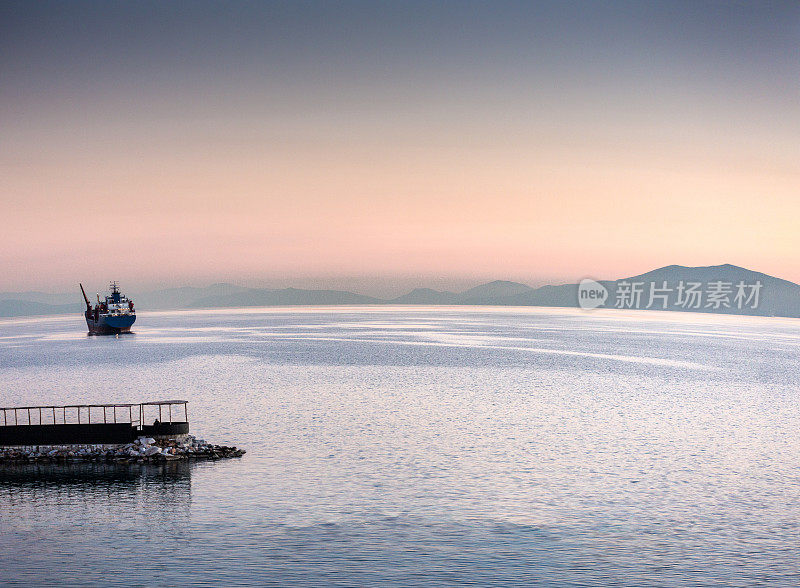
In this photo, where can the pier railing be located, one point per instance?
(169, 411)
(110, 422)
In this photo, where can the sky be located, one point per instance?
(390, 144)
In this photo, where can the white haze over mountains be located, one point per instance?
(775, 297)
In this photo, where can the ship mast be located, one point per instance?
(115, 295)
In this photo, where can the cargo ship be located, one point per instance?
(113, 316)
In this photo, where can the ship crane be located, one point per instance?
(86, 298)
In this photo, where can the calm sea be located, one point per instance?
(420, 447)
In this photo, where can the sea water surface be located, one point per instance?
(420, 447)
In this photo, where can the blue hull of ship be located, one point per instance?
(111, 325)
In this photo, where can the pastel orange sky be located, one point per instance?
(275, 144)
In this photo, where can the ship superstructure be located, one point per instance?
(112, 316)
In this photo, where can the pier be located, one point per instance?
(93, 424)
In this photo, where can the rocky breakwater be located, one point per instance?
(143, 450)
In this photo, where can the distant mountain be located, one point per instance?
(715, 288)
(36, 303)
(775, 297)
(185, 297)
(43, 297)
(9, 308)
(563, 295)
(492, 293)
(720, 288)
(285, 297)
(425, 296)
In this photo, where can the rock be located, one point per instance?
(143, 450)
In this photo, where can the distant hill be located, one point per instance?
(9, 308)
(724, 288)
(488, 293)
(563, 295)
(775, 297)
(493, 292)
(425, 296)
(285, 297)
(185, 297)
(40, 303)
(43, 297)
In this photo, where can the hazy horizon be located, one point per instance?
(378, 286)
(381, 287)
(395, 145)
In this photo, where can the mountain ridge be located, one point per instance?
(775, 296)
